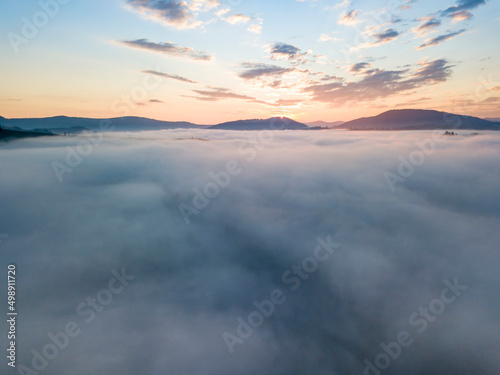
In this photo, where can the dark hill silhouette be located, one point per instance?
(60, 124)
(274, 123)
(419, 119)
(10, 134)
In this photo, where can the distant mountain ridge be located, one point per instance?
(419, 119)
(325, 124)
(400, 119)
(64, 124)
(274, 123)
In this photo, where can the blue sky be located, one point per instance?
(209, 61)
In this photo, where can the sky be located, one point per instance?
(209, 61)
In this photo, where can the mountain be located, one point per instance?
(325, 124)
(401, 119)
(65, 131)
(419, 119)
(61, 124)
(10, 134)
(274, 123)
(493, 119)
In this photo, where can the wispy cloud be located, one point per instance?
(440, 39)
(255, 28)
(214, 94)
(258, 70)
(344, 4)
(167, 48)
(326, 38)
(407, 4)
(168, 76)
(380, 38)
(427, 26)
(349, 19)
(240, 19)
(237, 19)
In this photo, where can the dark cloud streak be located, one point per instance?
(168, 76)
(440, 39)
(167, 48)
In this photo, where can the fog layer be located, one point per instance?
(410, 213)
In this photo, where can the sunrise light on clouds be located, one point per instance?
(219, 61)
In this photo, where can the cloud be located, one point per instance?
(254, 70)
(203, 5)
(412, 103)
(167, 48)
(177, 14)
(381, 38)
(171, 12)
(240, 19)
(343, 4)
(267, 75)
(359, 67)
(286, 103)
(440, 39)
(255, 28)
(428, 25)
(215, 94)
(462, 15)
(408, 4)
(286, 50)
(349, 18)
(386, 36)
(460, 11)
(150, 101)
(168, 76)
(378, 83)
(119, 208)
(237, 19)
(326, 38)
(283, 51)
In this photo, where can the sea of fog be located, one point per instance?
(217, 252)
